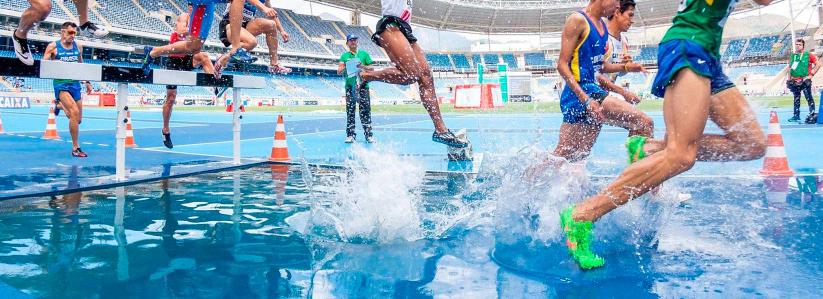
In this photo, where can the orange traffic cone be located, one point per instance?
(1, 126)
(775, 163)
(51, 126)
(279, 176)
(280, 149)
(129, 131)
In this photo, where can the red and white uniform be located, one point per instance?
(176, 37)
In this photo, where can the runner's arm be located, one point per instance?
(80, 48)
(570, 38)
(609, 67)
(50, 49)
(763, 2)
(611, 86)
(265, 8)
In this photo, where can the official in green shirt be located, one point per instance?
(356, 95)
(802, 68)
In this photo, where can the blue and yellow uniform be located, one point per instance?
(70, 86)
(586, 62)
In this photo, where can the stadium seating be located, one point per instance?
(647, 55)
(316, 42)
(439, 62)
(491, 59)
(476, 59)
(510, 60)
(537, 60)
(461, 63)
(761, 46)
(734, 50)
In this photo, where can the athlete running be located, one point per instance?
(690, 79)
(67, 92)
(37, 12)
(586, 106)
(394, 34)
(254, 26)
(180, 62)
(202, 16)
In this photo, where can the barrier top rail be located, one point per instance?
(52, 69)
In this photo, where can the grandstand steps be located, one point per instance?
(174, 4)
(65, 9)
(338, 29)
(289, 18)
(92, 9)
(137, 4)
(451, 62)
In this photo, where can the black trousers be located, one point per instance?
(804, 86)
(363, 99)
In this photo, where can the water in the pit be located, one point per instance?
(385, 229)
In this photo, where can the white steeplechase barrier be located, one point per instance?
(125, 75)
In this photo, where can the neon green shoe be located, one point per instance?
(634, 145)
(578, 238)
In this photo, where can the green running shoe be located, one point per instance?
(634, 145)
(578, 238)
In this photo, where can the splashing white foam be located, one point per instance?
(377, 200)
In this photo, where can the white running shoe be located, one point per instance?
(350, 139)
(22, 49)
(89, 29)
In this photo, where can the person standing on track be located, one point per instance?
(67, 92)
(357, 94)
(802, 67)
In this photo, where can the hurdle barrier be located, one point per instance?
(49, 69)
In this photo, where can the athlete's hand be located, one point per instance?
(270, 13)
(595, 110)
(627, 58)
(636, 67)
(285, 36)
(630, 97)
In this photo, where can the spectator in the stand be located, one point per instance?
(356, 95)
(802, 67)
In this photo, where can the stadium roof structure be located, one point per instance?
(512, 16)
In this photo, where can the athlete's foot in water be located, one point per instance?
(448, 138)
(578, 240)
(551, 163)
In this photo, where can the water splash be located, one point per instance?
(376, 200)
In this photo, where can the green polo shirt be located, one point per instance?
(365, 59)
